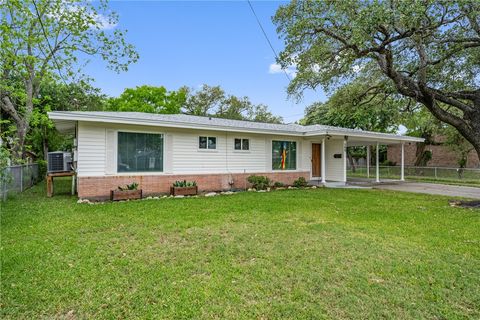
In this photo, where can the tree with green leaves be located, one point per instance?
(427, 50)
(56, 96)
(44, 40)
(149, 99)
(213, 101)
(350, 108)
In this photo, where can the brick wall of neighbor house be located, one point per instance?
(98, 188)
(442, 156)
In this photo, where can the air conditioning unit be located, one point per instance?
(59, 161)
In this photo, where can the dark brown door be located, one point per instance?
(316, 160)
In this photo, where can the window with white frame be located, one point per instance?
(241, 144)
(207, 143)
(284, 155)
(139, 152)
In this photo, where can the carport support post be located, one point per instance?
(323, 161)
(402, 168)
(377, 166)
(345, 159)
(368, 161)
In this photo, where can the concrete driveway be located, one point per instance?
(433, 188)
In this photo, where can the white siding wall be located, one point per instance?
(334, 166)
(91, 150)
(97, 152)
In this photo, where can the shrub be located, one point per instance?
(389, 163)
(184, 183)
(42, 169)
(131, 186)
(278, 184)
(300, 182)
(259, 182)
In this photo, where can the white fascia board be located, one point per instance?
(167, 124)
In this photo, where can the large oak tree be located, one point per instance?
(428, 50)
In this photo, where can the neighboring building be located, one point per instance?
(442, 155)
(117, 148)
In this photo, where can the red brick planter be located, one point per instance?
(116, 195)
(183, 191)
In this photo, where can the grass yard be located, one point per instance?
(299, 254)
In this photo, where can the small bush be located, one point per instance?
(259, 182)
(184, 183)
(42, 169)
(300, 183)
(278, 184)
(389, 163)
(131, 186)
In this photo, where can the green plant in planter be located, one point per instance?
(300, 182)
(184, 183)
(131, 186)
(259, 182)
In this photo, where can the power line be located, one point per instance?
(266, 37)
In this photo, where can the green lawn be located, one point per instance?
(299, 254)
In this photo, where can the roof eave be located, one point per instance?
(163, 123)
(369, 135)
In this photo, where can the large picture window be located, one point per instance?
(284, 155)
(139, 152)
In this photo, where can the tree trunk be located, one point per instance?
(18, 149)
(352, 162)
(45, 148)
(419, 154)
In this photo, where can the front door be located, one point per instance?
(316, 160)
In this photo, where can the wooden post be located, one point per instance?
(49, 186)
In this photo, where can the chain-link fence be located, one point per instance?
(18, 178)
(421, 173)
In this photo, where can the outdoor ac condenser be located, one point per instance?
(59, 161)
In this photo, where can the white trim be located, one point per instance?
(345, 159)
(296, 155)
(241, 150)
(324, 162)
(377, 165)
(207, 149)
(402, 169)
(138, 172)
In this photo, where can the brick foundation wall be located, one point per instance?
(98, 188)
(442, 156)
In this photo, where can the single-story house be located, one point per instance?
(154, 150)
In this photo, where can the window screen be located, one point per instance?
(139, 152)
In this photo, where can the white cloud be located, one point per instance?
(101, 21)
(275, 68)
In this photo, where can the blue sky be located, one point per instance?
(192, 43)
